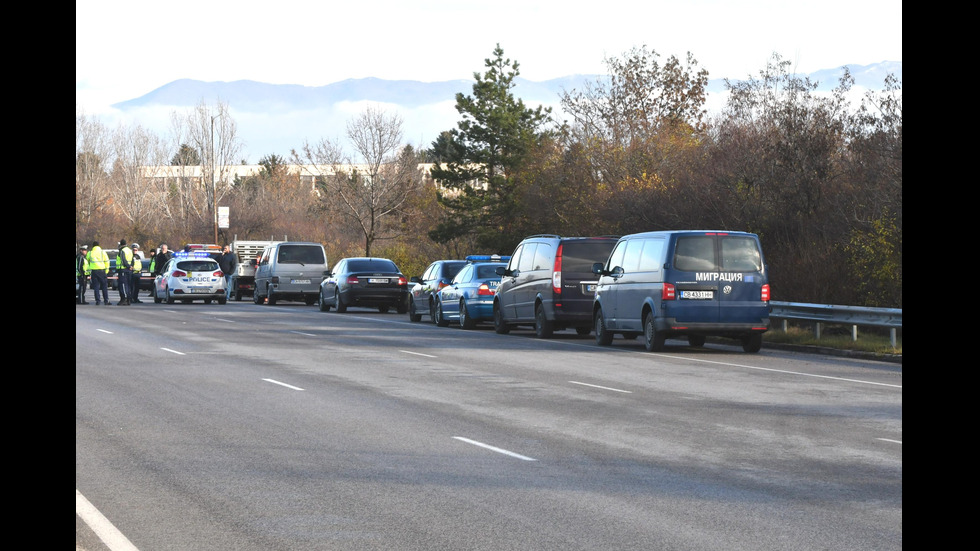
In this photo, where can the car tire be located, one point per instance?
(439, 318)
(543, 327)
(271, 300)
(583, 331)
(322, 304)
(432, 311)
(653, 340)
(222, 300)
(499, 325)
(238, 296)
(696, 341)
(602, 335)
(156, 299)
(207, 301)
(257, 298)
(465, 320)
(752, 343)
(338, 303)
(401, 307)
(412, 314)
(384, 309)
(170, 298)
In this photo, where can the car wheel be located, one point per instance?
(401, 307)
(653, 340)
(270, 300)
(543, 328)
(257, 298)
(439, 318)
(170, 298)
(339, 304)
(432, 311)
(498, 321)
(752, 343)
(696, 341)
(310, 301)
(238, 296)
(412, 314)
(384, 309)
(465, 321)
(222, 300)
(583, 331)
(602, 335)
(322, 304)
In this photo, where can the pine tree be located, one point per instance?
(484, 155)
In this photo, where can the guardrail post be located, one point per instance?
(854, 333)
(816, 330)
(892, 334)
(785, 325)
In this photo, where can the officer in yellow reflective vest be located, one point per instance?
(134, 285)
(98, 265)
(81, 273)
(124, 272)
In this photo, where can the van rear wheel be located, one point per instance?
(696, 341)
(543, 328)
(653, 340)
(498, 321)
(752, 343)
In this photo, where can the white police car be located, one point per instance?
(188, 277)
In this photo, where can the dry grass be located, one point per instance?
(836, 336)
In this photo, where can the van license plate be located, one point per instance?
(299, 281)
(701, 295)
(376, 280)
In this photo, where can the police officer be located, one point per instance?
(124, 272)
(134, 284)
(98, 266)
(81, 273)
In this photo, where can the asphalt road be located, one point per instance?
(250, 427)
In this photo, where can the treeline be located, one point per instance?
(817, 176)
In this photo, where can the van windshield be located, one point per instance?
(301, 254)
(697, 253)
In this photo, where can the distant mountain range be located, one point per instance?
(275, 118)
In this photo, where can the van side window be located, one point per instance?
(740, 254)
(616, 257)
(651, 256)
(515, 259)
(527, 257)
(300, 254)
(543, 257)
(695, 254)
(631, 260)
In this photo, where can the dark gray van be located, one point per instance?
(692, 284)
(290, 271)
(549, 284)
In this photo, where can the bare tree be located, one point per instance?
(373, 191)
(213, 133)
(134, 193)
(93, 157)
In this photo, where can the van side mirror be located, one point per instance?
(597, 269)
(326, 273)
(502, 271)
(617, 271)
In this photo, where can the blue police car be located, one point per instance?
(468, 299)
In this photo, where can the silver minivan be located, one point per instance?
(692, 284)
(290, 271)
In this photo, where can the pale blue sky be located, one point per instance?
(124, 49)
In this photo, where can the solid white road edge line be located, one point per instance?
(273, 381)
(112, 537)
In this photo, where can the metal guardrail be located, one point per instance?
(844, 315)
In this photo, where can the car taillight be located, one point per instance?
(351, 280)
(219, 273)
(765, 293)
(440, 286)
(178, 273)
(403, 281)
(485, 290)
(669, 292)
(556, 274)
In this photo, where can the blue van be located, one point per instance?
(693, 284)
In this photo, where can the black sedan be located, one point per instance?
(364, 281)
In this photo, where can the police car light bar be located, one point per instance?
(487, 258)
(191, 254)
